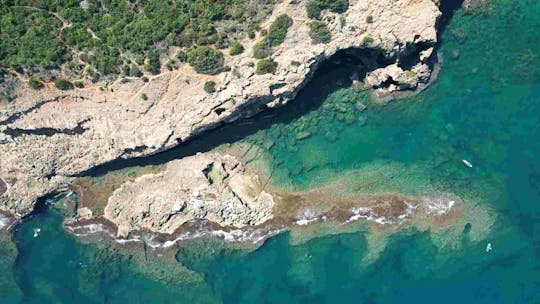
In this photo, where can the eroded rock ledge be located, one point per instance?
(46, 153)
(215, 194)
(204, 186)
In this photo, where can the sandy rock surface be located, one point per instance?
(205, 186)
(48, 136)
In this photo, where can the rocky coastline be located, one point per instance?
(214, 194)
(49, 137)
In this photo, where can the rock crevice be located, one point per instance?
(176, 108)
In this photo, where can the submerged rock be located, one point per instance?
(49, 136)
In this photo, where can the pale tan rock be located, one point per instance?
(92, 126)
(205, 186)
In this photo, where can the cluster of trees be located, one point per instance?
(113, 36)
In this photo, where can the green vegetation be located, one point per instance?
(35, 83)
(266, 66)
(63, 84)
(210, 87)
(152, 64)
(319, 33)
(367, 40)
(315, 7)
(236, 48)
(144, 97)
(182, 56)
(107, 37)
(262, 50)
(278, 29)
(369, 19)
(206, 60)
(78, 84)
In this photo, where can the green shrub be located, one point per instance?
(35, 83)
(278, 29)
(369, 19)
(236, 48)
(63, 84)
(144, 97)
(251, 34)
(314, 7)
(266, 66)
(145, 79)
(313, 10)
(182, 56)
(261, 50)
(134, 71)
(210, 87)
(319, 33)
(264, 32)
(152, 62)
(206, 60)
(78, 84)
(367, 40)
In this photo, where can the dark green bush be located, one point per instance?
(134, 71)
(266, 66)
(314, 7)
(236, 48)
(206, 60)
(35, 83)
(369, 19)
(78, 84)
(367, 40)
(63, 84)
(210, 87)
(261, 50)
(144, 97)
(182, 56)
(278, 29)
(319, 33)
(152, 62)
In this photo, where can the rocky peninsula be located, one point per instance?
(49, 137)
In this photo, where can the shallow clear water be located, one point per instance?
(485, 107)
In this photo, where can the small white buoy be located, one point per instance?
(488, 247)
(36, 232)
(467, 163)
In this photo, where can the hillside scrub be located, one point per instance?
(63, 84)
(278, 30)
(319, 33)
(315, 7)
(266, 66)
(206, 60)
(111, 34)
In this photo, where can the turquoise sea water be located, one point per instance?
(484, 107)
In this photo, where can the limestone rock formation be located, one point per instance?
(205, 187)
(49, 136)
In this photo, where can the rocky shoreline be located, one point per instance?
(49, 137)
(221, 198)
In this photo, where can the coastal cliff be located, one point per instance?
(48, 137)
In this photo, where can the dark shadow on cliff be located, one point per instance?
(331, 75)
(448, 8)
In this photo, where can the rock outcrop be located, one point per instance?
(49, 136)
(201, 187)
